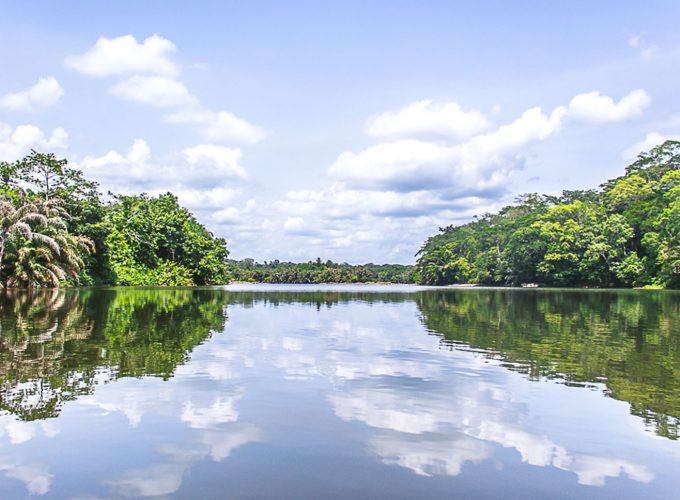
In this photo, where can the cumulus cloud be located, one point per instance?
(202, 167)
(294, 225)
(125, 55)
(403, 189)
(219, 126)
(651, 140)
(477, 165)
(221, 160)
(159, 91)
(427, 119)
(152, 78)
(17, 142)
(480, 164)
(404, 165)
(46, 92)
(593, 107)
(376, 225)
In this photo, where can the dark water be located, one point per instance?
(339, 392)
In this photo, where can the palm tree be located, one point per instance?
(17, 221)
(40, 258)
(34, 267)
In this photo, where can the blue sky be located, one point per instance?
(344, 130)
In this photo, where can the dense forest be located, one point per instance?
(55, 229)
(624, 234)
(320, 272)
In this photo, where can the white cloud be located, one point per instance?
(46, 92)
(201, 200)
(228, 127)
(153, 80)
(159, 91)
(17, 142)
(124, 55)
(593, 107)
(114, 168)
(426, 119)
(480, 164)
(634, 41)
(407, 164)
(651, 140)
(294, 224)
(343, 223)
(219, 126)
(203, 167)
(646, 50)
(385, 199)
(533, 125)
(215, 160)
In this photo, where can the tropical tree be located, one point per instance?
(17, 221)
(627, 233)
(155, 241)
(40, 250)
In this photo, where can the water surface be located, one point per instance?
(339, 392)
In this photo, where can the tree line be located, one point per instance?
(320, 272)
(56, 229)
(624, 234)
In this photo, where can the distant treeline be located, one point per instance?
(627, 233)
(320, 272)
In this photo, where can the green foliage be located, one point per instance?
(625, 234)
(155, 241)
(320, 272)
(56, 230)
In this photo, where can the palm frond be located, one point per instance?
(23, 229)
(6, 208)
(34, 217)
(56, 222)
(47, 241)
(24, 210)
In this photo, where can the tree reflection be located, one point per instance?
(58, 344)
(629, 341)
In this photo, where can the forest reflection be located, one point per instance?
(59, 344)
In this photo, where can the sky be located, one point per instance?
(343, 130)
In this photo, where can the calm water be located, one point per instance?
(339, 392)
